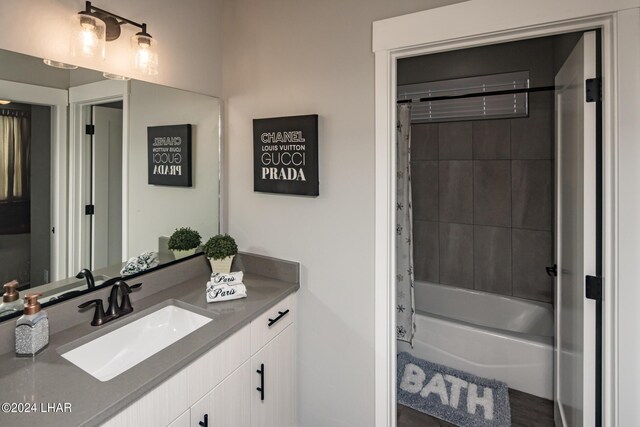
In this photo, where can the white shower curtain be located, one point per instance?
(405, 309)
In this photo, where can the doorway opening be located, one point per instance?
(98, 147)
(498, 221)
(104, 198)
(25, 193)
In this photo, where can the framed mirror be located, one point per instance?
(76, 159)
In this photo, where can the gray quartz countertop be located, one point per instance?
(50, 379)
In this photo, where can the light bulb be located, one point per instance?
(145, 53)
(88, 35)
(88, 42)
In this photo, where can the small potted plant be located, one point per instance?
(220, 250)
(184, 242)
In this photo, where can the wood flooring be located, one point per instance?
(526, 411)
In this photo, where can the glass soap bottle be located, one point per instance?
(32, 328)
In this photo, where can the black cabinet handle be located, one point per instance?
(204, 423)
(261, 388)
(281, 314)
(552, 271)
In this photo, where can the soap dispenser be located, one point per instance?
(32, 328)
(11, 299)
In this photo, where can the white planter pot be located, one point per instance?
(221, 265)
(181, 254)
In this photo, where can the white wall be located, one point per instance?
(188, 34)
(159, 210)
(290, 57)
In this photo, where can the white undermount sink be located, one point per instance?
(111, 354)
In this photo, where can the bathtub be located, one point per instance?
(493, 336)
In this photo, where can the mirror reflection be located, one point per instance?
(76, 162)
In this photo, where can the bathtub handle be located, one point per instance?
(552, 271)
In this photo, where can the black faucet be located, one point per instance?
(125, 303)
(115, 310)
(113, 303)
(99, 316)
(86, 274)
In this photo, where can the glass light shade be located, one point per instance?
(88, 36)
(145, 54)
(112, 76)
(61, 65)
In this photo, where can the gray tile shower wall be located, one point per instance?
(492, 192)
(455, 141)
(427, 206)
(456, 254)
(531, 252)
(483, 203)
(426, 240)
(491, 255)
(532, 194)
(487, 181)
(491, 139)
(455, 190)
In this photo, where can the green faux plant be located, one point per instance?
(220, 246)
(184, 239)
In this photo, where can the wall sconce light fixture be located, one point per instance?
(93, 27)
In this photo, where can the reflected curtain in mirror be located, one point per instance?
(14, 171)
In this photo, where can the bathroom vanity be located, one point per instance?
(237, 369)
(247, 380)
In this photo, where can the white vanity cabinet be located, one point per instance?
(227, 404)
(223, 383)
(183, 420)
(273, 372)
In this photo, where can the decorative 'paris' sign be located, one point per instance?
(169, 151)
(285, 155)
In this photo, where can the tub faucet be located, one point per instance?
(86, 274)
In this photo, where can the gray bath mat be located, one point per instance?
(452, 395)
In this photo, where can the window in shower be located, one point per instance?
(465, 99)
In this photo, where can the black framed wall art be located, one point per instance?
(285, 155)
(169, 155)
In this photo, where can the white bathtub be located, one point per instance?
(505, 338)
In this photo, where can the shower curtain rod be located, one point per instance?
(14, 113)
(477, 94)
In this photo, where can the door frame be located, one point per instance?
(481, 22)
(80, 99)
(57, 99)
